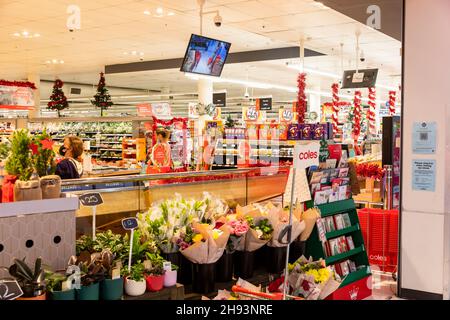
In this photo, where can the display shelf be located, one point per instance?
(344, 255)
(110, 149)
(338, 233)
(356, 275)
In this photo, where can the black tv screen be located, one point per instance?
(205, 56)
(366, 78)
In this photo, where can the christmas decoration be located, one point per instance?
(371, 114)
(357, 116)
(58, 100)
(301, 98)
(42, 154)
(19, 162)
(102, 99)
(23, 84)
(335, 116)
(369, 170)
(392, 100)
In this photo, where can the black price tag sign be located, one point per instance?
(91, 199)
(129, 223)
(265, 104)
(10, 290)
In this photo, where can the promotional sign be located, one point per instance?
(286, 115)
(129, 223)
(424, 138)
(10, 290)
(424, 175)
(251, 114)
(193, 110)
(144, 110)
(91, 199)
(217, 113)
(220, 99)
(161, 110)
(306, 155)
(160, 155)
(264, 104)
(18, 98)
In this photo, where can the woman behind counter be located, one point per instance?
(71, 167)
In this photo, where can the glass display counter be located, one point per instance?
(125, 196)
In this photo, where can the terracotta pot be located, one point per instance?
(41, 297)
(154, 283)
(135, 288)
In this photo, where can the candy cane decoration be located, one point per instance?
(335, 116)
(372, 110)
(392, 100)
(357, 116)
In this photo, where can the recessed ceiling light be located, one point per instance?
(55, 61)
(141, 54)
(146, 12)
(171, 13)
(133, 53)
(16, 34)
(159, 11)
(125, 53)
(36, 35)
(61, 61)
(25, 33)
(48, 62)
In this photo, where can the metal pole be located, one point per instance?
(286, 271)
(94, 222)
(131, 250)
(388, 188)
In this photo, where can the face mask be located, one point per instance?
(62, 150)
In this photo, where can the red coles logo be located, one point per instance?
(307, 155)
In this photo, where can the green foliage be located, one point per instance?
(263, 225)
(230, 123)
(44, 160)
(19, 162)
(141, 248)
(102, 98)
(54, 281)
(157, 263)
(58, 100)
(137, 272)
(116, 243)
(5, 147)
(31, 281)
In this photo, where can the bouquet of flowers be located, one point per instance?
(260, 227)
(237, 226)
(212, 209)
(281, 222)
(165, 218)
(312, 280)
(202, 243)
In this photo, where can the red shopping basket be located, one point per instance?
(380, 231)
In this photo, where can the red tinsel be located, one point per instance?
(372, 110)
(357, 116)
(301, 97)
(335, 116)
(392, 100)
(23, 84)
(369, 170)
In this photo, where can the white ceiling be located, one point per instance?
(110, 27)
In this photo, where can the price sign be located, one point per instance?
(10, 290)
(129, 223)
(91, 199)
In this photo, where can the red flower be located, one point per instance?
(34, 149)
(275, 285)
(47, 144)
(305, 285)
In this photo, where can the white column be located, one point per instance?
(205, 91)
(425, 215)
(315, 103)
(36, 112)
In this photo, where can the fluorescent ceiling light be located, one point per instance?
(387, 87)
(146, 12)
(313, 71)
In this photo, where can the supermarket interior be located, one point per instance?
(220, 149)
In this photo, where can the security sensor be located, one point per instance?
(362, 57)
(218, 20)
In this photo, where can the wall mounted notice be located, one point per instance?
(424, 137)
(424, 175)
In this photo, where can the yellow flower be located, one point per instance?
(197, 238)
(216, 233)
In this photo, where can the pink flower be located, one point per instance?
(241, 230)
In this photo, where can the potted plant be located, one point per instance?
(54, 286)
(32, 281)
(155, 276)
(111, 288)
(170, 277)
(135, 284)
(92, 273)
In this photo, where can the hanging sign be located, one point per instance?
(306, 155)
(220, 99)
(264, 104)
(193, 110)
(16, 98)
(285, 115)
(251, 114)
(217, 113)
(161, 110)
(144, 110)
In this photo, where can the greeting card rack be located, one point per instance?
(357, 284)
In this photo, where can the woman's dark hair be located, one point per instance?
(162, 132)
(77, 146)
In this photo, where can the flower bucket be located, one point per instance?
(111, 289)
(185, 272)
(170, 278)
(135, 288)
(296, 250)
(204, 278)
(224, 268)
(276, 259)
(67, 295)
(91, 292)
(40, 298)
(244, 264)
(154, 283)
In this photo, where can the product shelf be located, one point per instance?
(338, 233)
(344, 255)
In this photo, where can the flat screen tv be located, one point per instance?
(362, 79)
(205, 56)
